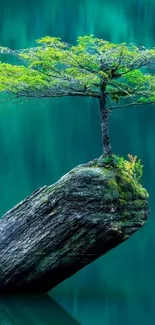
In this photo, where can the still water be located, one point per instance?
(42, 140)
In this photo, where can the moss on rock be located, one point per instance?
(122, 189)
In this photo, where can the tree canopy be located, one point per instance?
(54, 69)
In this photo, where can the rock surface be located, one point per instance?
(59, 229)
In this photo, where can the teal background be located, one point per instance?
(40, 140)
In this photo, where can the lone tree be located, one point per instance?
(118, 75)
(61, 228)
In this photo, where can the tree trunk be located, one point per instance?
(105, 128)
(61, 228)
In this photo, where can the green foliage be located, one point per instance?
(122, 182)
(132, 166)
(54, 68)
(126, 174)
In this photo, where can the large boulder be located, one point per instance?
(59, 229)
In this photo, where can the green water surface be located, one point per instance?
(40, 140)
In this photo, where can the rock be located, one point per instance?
(61, 228)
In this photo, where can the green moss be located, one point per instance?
(137, 205)
(122, 222)
(126, 214)
(123, 188)
(129, 188)
(112, 183)
(122, 202)
(107, 172)
(125, 194)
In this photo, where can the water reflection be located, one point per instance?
(112, 311)
(29, 310)
(116, 312)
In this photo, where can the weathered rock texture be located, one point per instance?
(61, 228)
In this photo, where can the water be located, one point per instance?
(41, 140)
(37, 310)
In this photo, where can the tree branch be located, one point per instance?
(132, 68)
(130, 104)
(63, 94)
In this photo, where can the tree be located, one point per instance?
(60, 228)
(118, 75)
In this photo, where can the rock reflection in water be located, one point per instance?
(33, 310)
